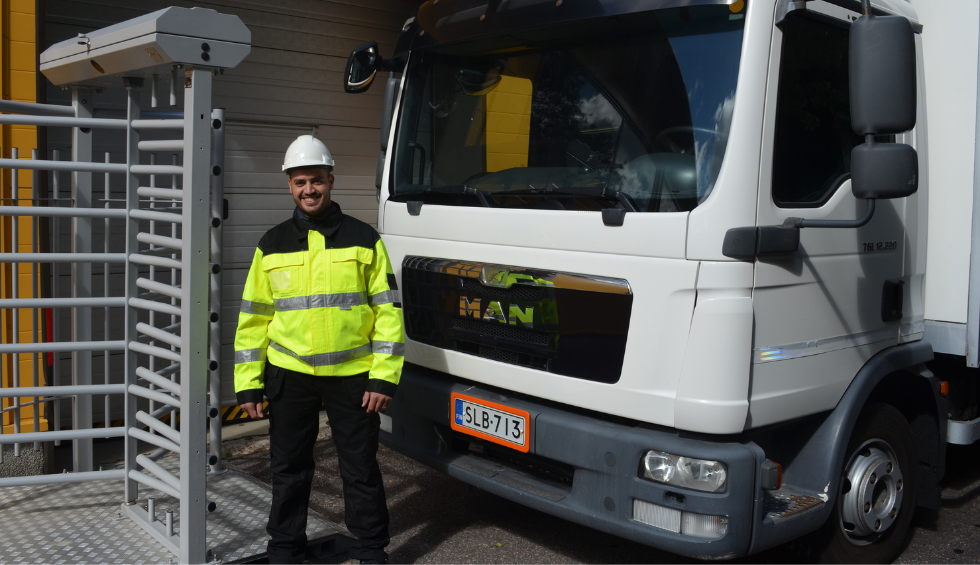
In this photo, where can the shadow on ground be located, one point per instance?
(437, 519)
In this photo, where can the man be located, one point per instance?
(320, 321)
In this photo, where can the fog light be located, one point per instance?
(703, 525)
(684, 472)
(691, 524)
(385, 422)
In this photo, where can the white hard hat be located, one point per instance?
(306, 151)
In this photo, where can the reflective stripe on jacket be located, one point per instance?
(320, 299)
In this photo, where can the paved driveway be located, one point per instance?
(437, 519)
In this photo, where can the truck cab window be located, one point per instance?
(562, 123)
(813, 140)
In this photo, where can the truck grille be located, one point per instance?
(562, 323)
(497, 354)
(512, 333)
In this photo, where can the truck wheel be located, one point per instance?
(877, 494)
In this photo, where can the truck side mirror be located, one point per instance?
(362, 67)
(884, 170)
(881, 72)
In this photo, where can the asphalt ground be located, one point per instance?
(438, 519)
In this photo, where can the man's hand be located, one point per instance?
(375, 402)
(253, 409)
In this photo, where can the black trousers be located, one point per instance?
(294, 419)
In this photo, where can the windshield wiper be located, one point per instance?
(461, 188)
(595, 192)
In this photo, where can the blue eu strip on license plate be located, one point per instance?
(459, 411)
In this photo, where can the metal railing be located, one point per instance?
(162, 246)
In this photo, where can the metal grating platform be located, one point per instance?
(85, 523)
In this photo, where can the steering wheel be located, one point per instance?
(664, 137)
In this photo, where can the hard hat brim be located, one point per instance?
(317, 166)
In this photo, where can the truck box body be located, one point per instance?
(949, 60)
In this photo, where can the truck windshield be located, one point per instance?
(626, 112)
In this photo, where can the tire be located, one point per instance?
(876, 498)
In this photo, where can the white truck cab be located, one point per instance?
(653, 280)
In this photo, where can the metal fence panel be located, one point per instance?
(169, 240)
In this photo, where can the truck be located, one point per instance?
(696, 273)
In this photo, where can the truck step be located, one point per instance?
(963, 432)
(782, 505)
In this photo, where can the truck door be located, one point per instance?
(819, 311)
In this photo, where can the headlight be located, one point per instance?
(684, 472)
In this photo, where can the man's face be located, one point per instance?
(311, 189)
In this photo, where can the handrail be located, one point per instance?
(34, 109)
(63, 257)
(87, 433)
(73, 302)
(62, 212)
(70, 166)
(67, 390)
(48, 121)
(63, 346)
(62, 478)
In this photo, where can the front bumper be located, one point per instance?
(601, 462)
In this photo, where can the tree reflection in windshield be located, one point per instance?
(710, 71)
(646, 115)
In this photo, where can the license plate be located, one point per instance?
(491, 421)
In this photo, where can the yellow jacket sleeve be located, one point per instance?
(252, 336)
(388, 335)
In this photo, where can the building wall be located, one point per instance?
(18, 81)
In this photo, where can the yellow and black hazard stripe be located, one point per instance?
(236, 414)
(229, 415)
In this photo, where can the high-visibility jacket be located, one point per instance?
(320, 299)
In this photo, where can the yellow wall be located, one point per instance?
(508, 123)
(18, 82)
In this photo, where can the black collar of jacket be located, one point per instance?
(327, 224)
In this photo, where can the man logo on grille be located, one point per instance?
(495, 312)
(467, 308)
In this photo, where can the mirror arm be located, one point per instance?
(393, 65)
(801, 223)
